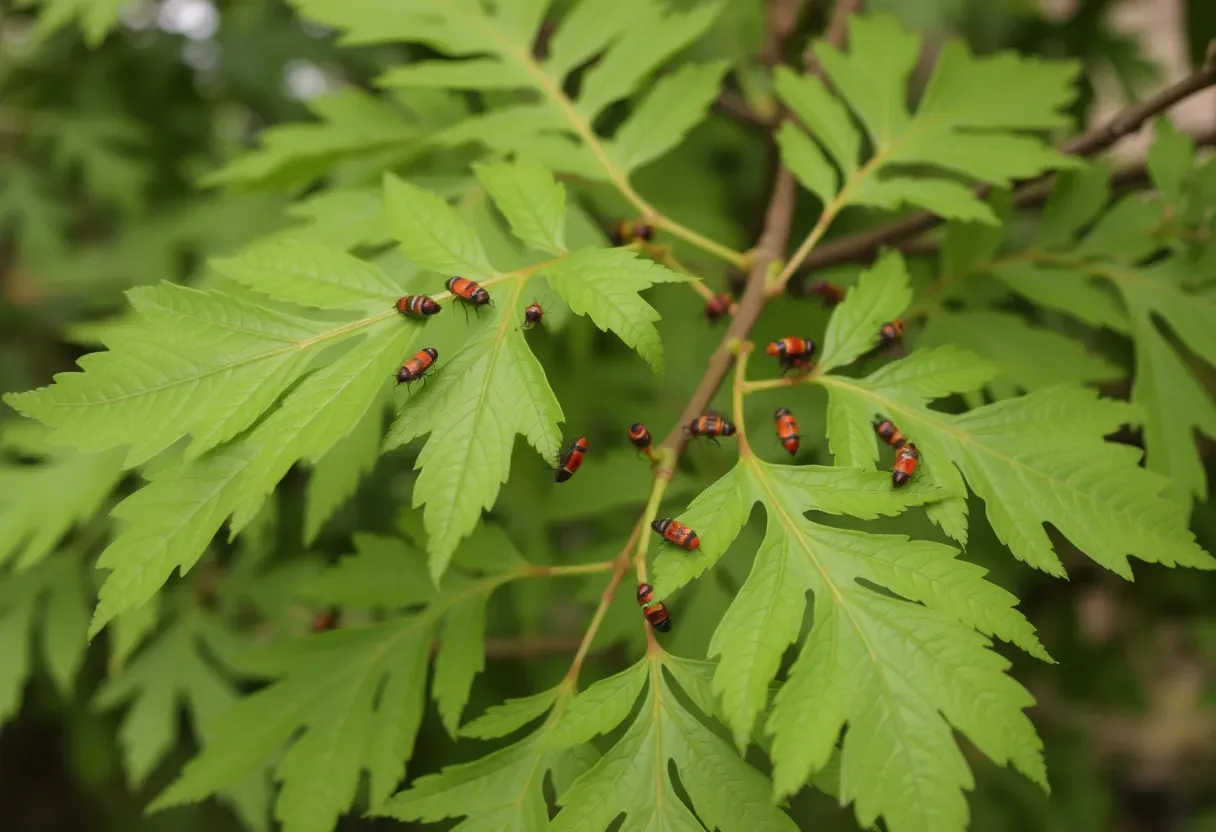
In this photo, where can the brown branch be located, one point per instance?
(864, 245)
(527, 647)
(771, 247)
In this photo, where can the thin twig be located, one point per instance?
(768, 250)
(864, 245)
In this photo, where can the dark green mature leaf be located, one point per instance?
(357, 694)
(39, 504)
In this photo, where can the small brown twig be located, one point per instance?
(866, 244)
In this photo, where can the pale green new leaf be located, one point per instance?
(881, 295)
(431, 233)
(959, 128)
(633, 777)
(491, 390)
(510, 716)
(531, 200)
(600, 708)
(195, 362)
(605, 285)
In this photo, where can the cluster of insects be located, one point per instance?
(792, 353)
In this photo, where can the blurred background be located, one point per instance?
(107, 140)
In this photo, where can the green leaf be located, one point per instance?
(16, 630)
(1170, 159)
(328, 685)
(350, 122)
(873, 661)
(491, 390)
(1041, 459)
(172, 672)
(959, 128)
(505, 789)
(633, 777)
(39, 504)
(807, 162)
(1076, 200)
(432, 233)
(384, 572)
(1030, 357)
(201, 363)
(66, 622)
(343, 219)
(672, 108)
(822, 113)
(169, 522)
(337, 474)
(605, 285)
(95, 17)
(344, 701)
(600, 708)
(510, 716)
(310, 275)
(462, 655)
(531, 200)
(882, 293)
(495, 44)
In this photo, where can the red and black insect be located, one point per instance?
(829, 293)
(533, 312)
(640, 436)
(417, 306)
(417, 366)
(711, 425)
(327, 620)
(468, 291)
(627, 231)
(887, 431)
(787, 429)
(654, 611)
(905, 464)
(891, 332)
(571, 459)
(718, 307)
(674, 531)
(792, 352)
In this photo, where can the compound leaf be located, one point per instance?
(605, 284)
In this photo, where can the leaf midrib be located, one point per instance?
(775, 504)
